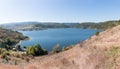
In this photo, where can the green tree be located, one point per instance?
(7, 44)
(36, 50)
(31, 51)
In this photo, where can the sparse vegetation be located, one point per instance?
(67, 48)
(113, 57)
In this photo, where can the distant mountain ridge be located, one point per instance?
(36, 25)
(45, 25)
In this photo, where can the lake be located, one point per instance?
(48, 38)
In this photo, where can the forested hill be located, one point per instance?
(10, 38)
(46, 25)
(100, 25)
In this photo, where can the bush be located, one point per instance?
(31, 51)
(97, 33)
(8, 44)
(56, 49)
(36, 50)
(27, 59)
(17, 55)
(2, 50)
(24, 47)
(18, 47)
(5, 54)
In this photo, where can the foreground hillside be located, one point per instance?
(102, 51)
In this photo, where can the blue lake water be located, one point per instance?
(48, 38)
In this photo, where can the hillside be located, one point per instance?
(105, 39)
(101, 51)
(34, 25)
(100, 25)
(45, 25)
(9, 37)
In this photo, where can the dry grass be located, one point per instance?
(113, 55)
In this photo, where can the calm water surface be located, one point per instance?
(50, 37)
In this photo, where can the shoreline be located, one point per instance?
(25, 39)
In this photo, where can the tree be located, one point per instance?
(36, 50)
(7, 44)
(31, 51)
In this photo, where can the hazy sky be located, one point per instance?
(59, 10)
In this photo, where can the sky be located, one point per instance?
(59, 10)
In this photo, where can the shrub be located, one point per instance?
(39, 50)
(97, 33)
(36, 50)
(56, 49)
(67, 48)
(31, 51)
(8, 43)
(17, 55)
(27, 59)
(16, 62)
(5, 54)
(24, 47)
(2, 50)
(18, 47)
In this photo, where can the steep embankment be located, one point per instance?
(105, 39)
(99, 52)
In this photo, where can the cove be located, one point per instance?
(48, 38)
